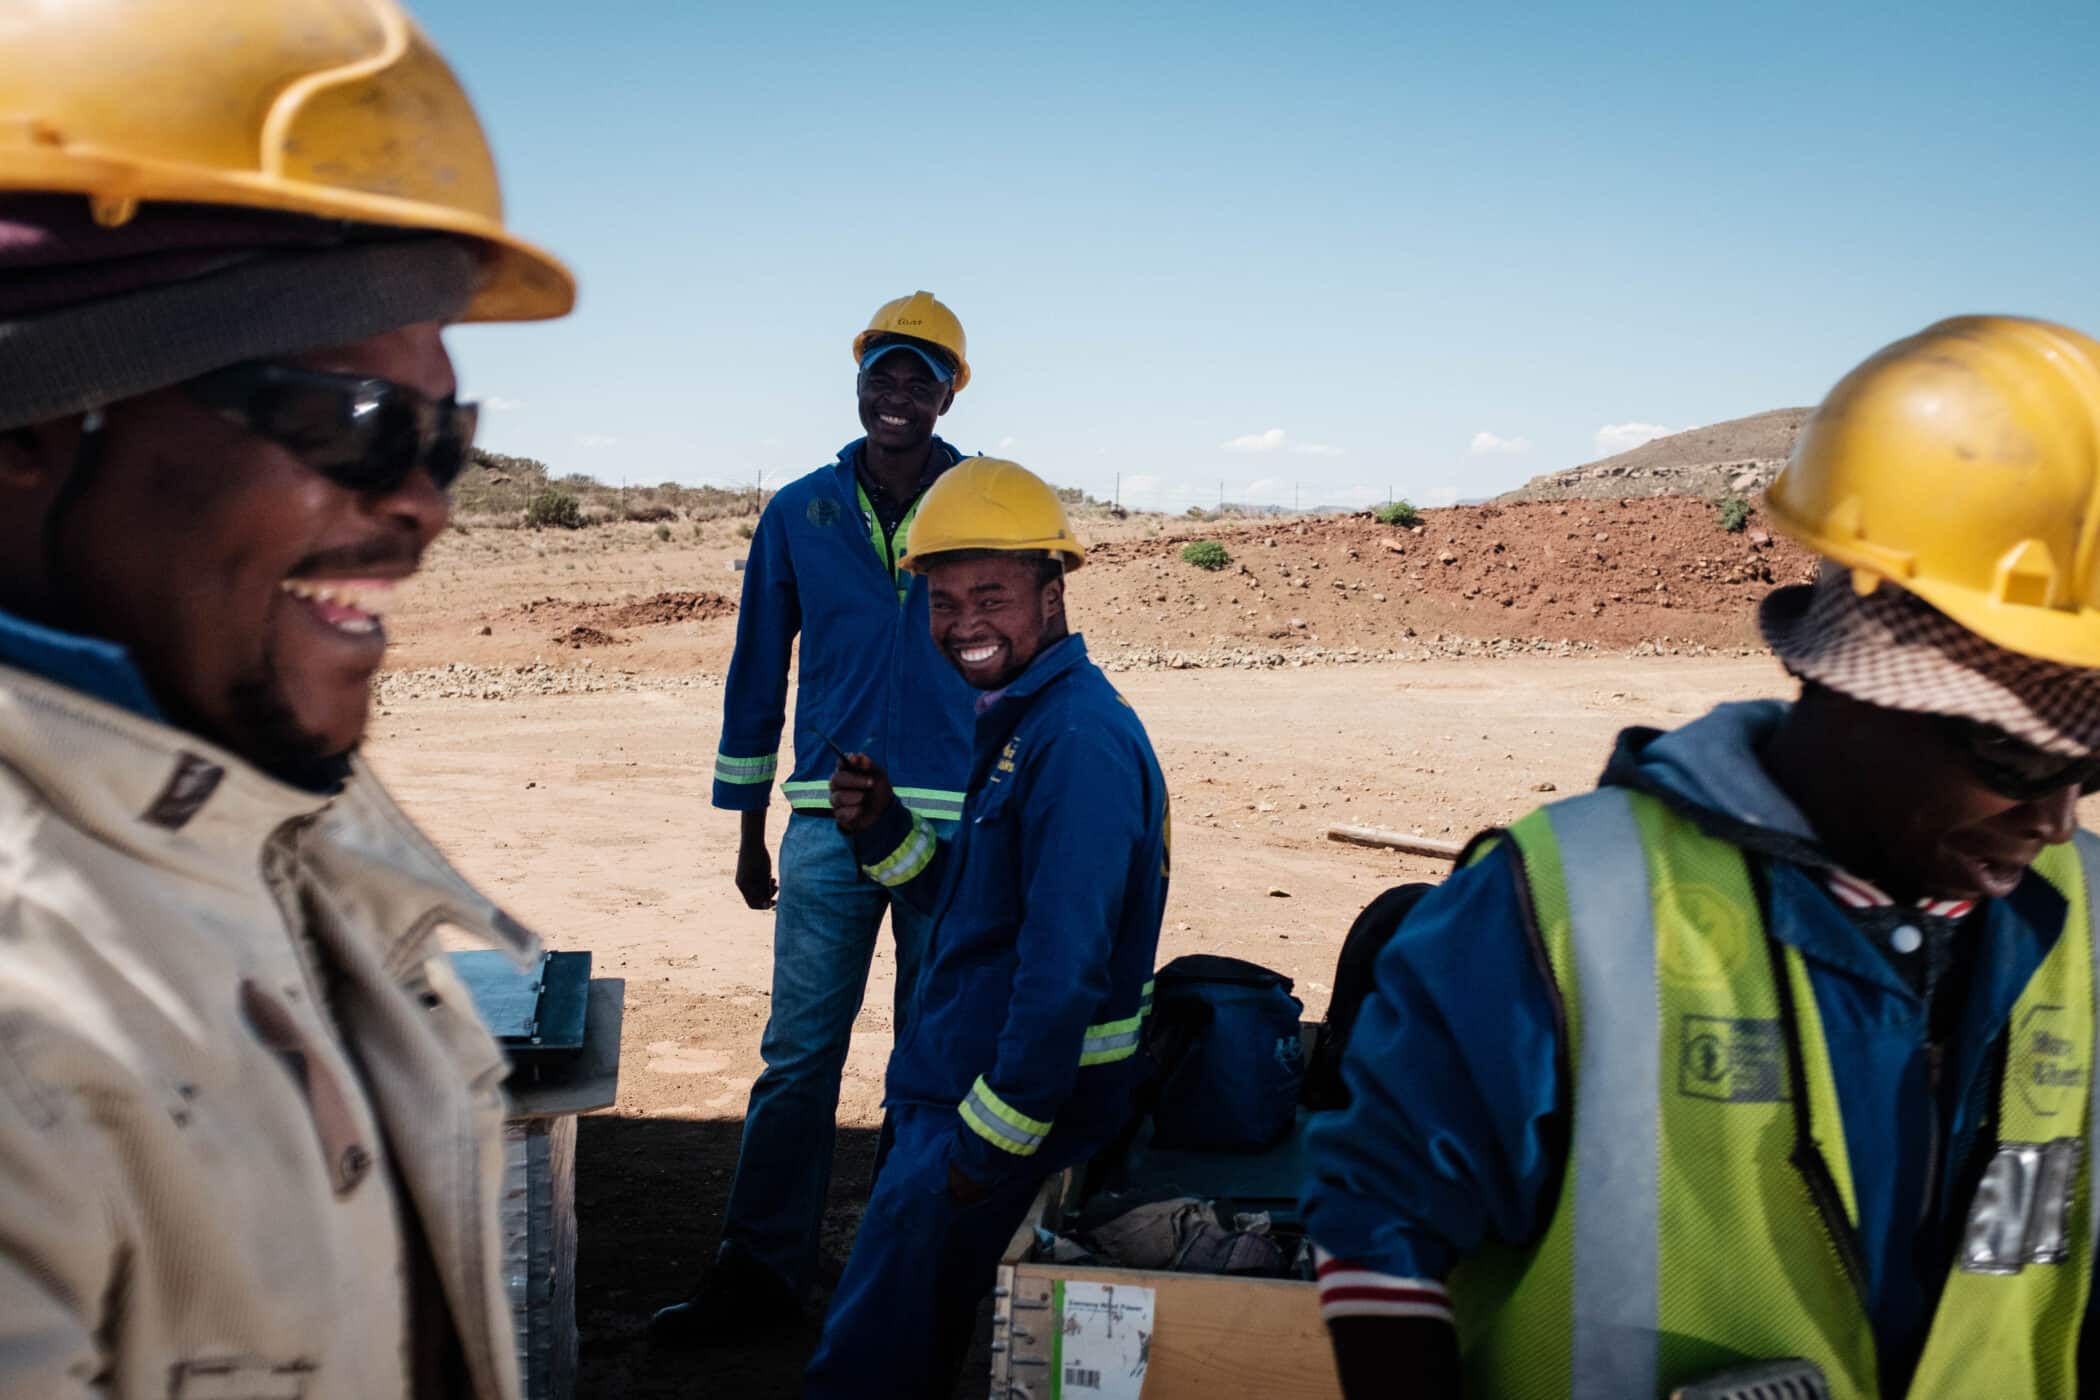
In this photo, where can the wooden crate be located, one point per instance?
(1213, 1338)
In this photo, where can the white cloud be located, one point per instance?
(596, 440)
(1439, 496)
(1256, 442)
(1614, 438)
(1008, 444)
(501, 404)
(1275, 439)
(1485, 441)
(1140, 487)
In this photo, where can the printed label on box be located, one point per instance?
(1104, 1341)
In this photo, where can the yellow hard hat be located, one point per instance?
(339, 109)
(1963, 464)
(921, 316)
(987, 503)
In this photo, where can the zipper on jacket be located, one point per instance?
(1806, 1157)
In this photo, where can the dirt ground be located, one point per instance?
(571, 778)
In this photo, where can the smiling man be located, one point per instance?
(249, 1122)
(1046, 901)
(824, 571)
(1779, 1047)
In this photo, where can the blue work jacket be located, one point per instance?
(1455, 1134)
(870, 676)
(1046, 903)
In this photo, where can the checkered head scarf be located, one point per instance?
(1893, 649)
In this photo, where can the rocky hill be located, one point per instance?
(1736, 458)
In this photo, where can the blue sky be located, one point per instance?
(1316, 249)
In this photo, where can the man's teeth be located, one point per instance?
(891, 421)
(343, 594)
(343, 606)
(973, 655)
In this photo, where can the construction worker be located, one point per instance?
(249, 1121)
(824, 564)
(1021, 1052)
(1778, 1047)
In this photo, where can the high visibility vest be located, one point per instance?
(1706, 1216)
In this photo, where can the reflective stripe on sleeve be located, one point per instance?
(937, 803)
(746, 770)
(909, 860)
(999, 1124)
(1116, 1040)
(808, 795)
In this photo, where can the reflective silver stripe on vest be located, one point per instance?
(2089, 866)
(1617, 1151)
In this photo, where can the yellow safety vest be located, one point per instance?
(1706, 1217)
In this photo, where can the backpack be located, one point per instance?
(1353, 980)
(1225, 1034)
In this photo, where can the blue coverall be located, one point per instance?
(1022, 1049)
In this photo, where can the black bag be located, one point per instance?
(1373, 929)
(1225, 1034)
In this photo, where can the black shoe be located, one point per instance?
(736, 1300)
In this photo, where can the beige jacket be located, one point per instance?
(195, 1196)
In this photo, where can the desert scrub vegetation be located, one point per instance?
(1205, 554)
(1735, 515)
(554, 510)
(1401, 513)
(497, 492)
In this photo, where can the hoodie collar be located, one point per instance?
(1709, 773)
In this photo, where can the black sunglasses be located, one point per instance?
(2015, 768)
(363, 434)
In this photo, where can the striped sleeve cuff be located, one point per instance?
(910, 858)
(1000, 1124)
(746, 771)
(1348, 1289)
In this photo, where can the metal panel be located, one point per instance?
(539, 1250)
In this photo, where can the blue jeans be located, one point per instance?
(824, 932)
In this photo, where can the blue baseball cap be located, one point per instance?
(942, 370)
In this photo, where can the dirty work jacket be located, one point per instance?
(192, 1200)
(1046, 905)
(869, 675)
(1463, 1148)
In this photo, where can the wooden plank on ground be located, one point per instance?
(1395, 841)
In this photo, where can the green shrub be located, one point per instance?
(1205, 554)
(1735, 515)
(1399, 513)
(651, 514)
(745, 530)
(554, 510)
(663, 532)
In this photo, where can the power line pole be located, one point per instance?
(1119, 489)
